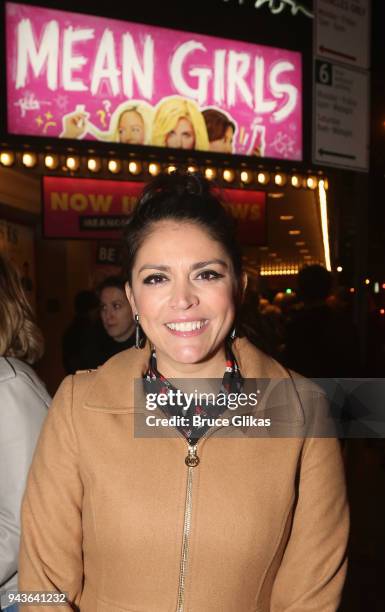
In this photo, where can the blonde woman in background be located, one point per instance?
(130, 124)
(179, 124)
(23, 407)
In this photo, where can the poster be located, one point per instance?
(98, 209)
(84, 77)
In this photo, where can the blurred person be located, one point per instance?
(86, 311)
(23, 407)
(114, 331)
(320, 341)
(188, 520)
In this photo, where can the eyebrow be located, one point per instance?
(195, 266)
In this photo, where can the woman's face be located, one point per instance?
(183, 290)
(131, 128)
(116, 313)
(224, 144)
(182, 136)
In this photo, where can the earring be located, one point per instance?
(233, 334)
(139, 335)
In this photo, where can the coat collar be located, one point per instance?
(117, 385)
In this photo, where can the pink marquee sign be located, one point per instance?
(82, 77)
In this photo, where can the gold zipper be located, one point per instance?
(192, 460)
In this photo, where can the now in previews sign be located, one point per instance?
(98, 209)
(83, 77)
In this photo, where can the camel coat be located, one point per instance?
(121, 524)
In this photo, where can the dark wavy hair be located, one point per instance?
(185, 198)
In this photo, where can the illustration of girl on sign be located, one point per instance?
(178, 123)
(130, 124)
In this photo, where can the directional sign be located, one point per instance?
(341, 31)
(340, 116)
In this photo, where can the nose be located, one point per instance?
(183, 296)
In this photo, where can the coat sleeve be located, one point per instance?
(51, 536)
(21, 416)
(312, 571)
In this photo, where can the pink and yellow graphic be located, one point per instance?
(83, 77)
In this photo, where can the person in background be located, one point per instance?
(23, 407)
(114, 332)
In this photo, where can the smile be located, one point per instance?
(187, 326)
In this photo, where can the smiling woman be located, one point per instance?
(124, 519)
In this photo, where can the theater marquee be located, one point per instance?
(98, 209)
(84, 77)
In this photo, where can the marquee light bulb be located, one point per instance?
(29, 160)
(296, 181)
(280, 179)
(72, 163)
(154, 169)
(51, 161)
(263, 178)
(228, 175)
(210, 173)
(114, 166)
(311, 182)
(246, 176)
(94, 164)
(7, 158)
(135, 167)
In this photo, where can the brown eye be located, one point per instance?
(154, 279)
(209, 275)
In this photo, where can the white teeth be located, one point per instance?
(187, 326)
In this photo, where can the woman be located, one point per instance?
(130, 124)
(114, 332)
(178, 123)
(124, 517)
(220, 130)
(23, 407)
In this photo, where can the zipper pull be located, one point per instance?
(192, 459)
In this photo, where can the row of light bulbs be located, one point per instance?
(115, 166)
